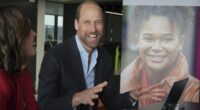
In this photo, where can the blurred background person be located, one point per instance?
(17, 46)
(50, 43)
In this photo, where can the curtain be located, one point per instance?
(197, 68)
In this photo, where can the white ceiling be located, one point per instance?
(55, 7)
(78, 1)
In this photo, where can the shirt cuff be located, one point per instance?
(134, 103)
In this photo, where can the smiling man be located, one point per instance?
(159, 32)
(78, 73)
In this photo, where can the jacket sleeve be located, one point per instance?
(111, 97)
(49, 97)
(113, 100)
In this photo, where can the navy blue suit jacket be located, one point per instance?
(61, 76)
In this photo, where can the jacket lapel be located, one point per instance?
(77, 66)
(98, 70)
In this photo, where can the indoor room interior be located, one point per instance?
(56, 18)
(53, 21)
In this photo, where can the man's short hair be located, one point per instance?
(77, 16)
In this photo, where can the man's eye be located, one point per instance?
(99, 22)
(86, 22)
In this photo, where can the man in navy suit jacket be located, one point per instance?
(76, 73)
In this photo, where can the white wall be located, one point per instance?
(40, 37)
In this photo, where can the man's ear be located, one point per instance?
(76, 24)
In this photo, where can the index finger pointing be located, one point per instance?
(100, 87)
(103, 84)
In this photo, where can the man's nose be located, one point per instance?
(92, 27)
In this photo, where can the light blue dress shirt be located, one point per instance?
(88, 68)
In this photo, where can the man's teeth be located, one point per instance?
(92, 36)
